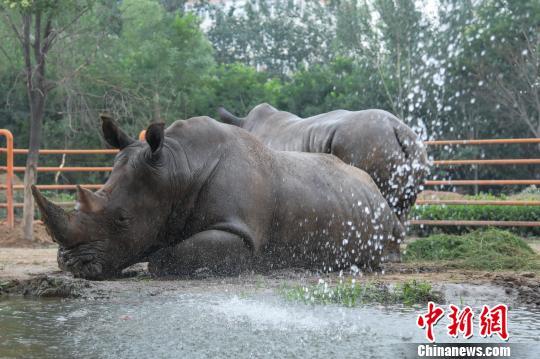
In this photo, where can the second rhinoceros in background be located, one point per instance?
(206, 194)
(372, 140)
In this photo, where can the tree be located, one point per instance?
(503, 58)
(392, 38)
(478, 49)
(239, 88)
(154, 67)
(341, 83)
(37, 25)
(278, 37)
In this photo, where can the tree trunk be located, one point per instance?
(30, 175)
(36, 92)
(157, 108)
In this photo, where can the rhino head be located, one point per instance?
(120, 224)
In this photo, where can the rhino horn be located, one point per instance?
(55, 218)
(87, 201)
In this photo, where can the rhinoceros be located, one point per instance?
(372, 140)
(208, 194)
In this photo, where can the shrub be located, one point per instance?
(475, 212)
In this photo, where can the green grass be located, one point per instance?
(352, 294)
(490, 249)
(60, 196)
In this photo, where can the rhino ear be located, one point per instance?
(114, 134)
(155, 135)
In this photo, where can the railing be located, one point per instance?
(10, 216)
(472, 223)
(10, 169)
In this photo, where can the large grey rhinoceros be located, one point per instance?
(372, 140)
(212, 195)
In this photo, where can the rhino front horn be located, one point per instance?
(55, 218)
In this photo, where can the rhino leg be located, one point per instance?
(391, 252)
(214, 252)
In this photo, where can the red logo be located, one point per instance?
(429, 320)
(460, 321)
(494, 321)
(491, 321)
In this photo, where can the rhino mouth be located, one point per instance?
(88, 261)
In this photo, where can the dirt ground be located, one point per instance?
(12, 237)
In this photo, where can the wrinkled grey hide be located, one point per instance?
(372, 140)
(207, 194)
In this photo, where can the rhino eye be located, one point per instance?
(122, 218)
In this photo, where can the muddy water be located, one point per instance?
(221, 324)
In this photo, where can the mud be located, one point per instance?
(526, 287)
(45, 286)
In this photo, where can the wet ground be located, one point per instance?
(45, 313)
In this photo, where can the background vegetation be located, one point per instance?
(448, 68)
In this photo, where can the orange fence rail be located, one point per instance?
(10, 216)
(10, 169)
(518, 161)
(63, 169)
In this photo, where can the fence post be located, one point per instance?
(10, 217)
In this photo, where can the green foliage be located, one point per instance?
(239, 88)
(352, 294)
(340, 83)
(150, 59)
(479, 213)
(490, 249)
(277, 36)
(161, 62)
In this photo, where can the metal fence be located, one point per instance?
(482, 182)
(10, 170)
